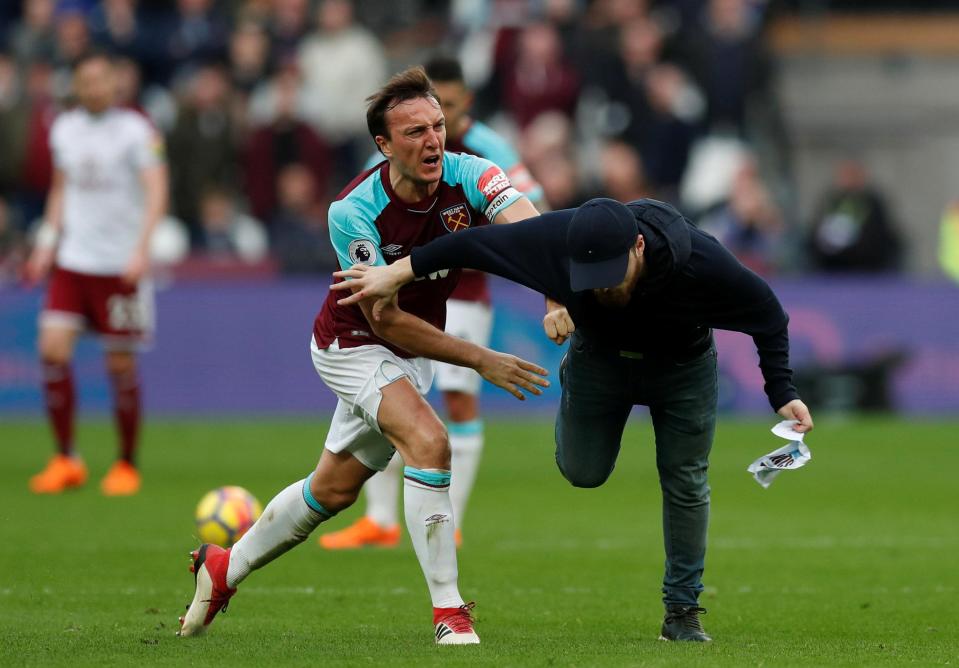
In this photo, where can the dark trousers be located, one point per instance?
(600, 387)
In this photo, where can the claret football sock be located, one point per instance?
(286, 522)
(126, 406)
(429, 522)
(466, 444)
(60, 398)
(382, 494)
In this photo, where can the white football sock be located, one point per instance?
(466, 444)
(429, 521)
(383, 493)
(286, 522)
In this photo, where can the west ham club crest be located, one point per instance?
(455, 218)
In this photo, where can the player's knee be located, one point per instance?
(121, 364)
(53, 351)
(54, 357)
(430, 446)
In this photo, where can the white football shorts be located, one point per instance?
(472, 321)
(357, 377)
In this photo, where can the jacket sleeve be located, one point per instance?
(744, 302)
(531, 253)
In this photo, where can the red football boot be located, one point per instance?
(209, 568)
(454, 626)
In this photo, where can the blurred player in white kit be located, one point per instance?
(109, 192)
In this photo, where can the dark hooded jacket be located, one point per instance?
(692, 285)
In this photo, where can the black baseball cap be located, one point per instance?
(600, 235)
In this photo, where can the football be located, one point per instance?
(225, 514)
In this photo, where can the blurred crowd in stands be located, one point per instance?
(262, 106)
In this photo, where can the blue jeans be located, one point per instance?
(600, 388)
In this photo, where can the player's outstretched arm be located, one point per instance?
(420, 338)
(797, 410)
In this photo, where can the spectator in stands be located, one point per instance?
(249, 56)
(36, 171)
(128, 81)
(34, 38)
(229, 234)
(201, 145)
(748, 223)
(301, 237)
(12, 249)
(551, 134)
(72, 37)
(539, 79)
(283, 141)
(13, 121)
(561, 181)
(117, 28)
(197, 35)
(153, 100)
(289, 24)
(653, 105)
(595, 43)
(621, 172)
(342, 63)
(853, 230)
(728, 60)
(547, 148)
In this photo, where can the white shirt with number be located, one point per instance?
(101, 157)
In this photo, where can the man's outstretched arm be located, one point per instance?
(531, 253)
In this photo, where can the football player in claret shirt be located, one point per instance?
(468, 316)
(379, 369)
(109, 193)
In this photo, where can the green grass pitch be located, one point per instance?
(851, 561)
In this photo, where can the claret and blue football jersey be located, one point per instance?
(370, 225)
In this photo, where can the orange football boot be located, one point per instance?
(122, 479)
(361, 533)
(61, 473)
(458, 537)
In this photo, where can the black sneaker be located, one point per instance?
(682, 623)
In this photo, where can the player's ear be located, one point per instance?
(383, 144)
(640, 244)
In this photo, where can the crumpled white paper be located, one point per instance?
(793, 455)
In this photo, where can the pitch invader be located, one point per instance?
(378, 369)
(468, 316)
(109, 192)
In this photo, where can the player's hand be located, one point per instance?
(379, 283)
(39, 264)
(512, 374)
(136, 268)
(558, 324)
(797, 410)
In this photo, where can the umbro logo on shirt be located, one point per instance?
(392, 249)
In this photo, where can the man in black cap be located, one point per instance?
(644, 288)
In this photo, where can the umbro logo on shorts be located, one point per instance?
(436, 519)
